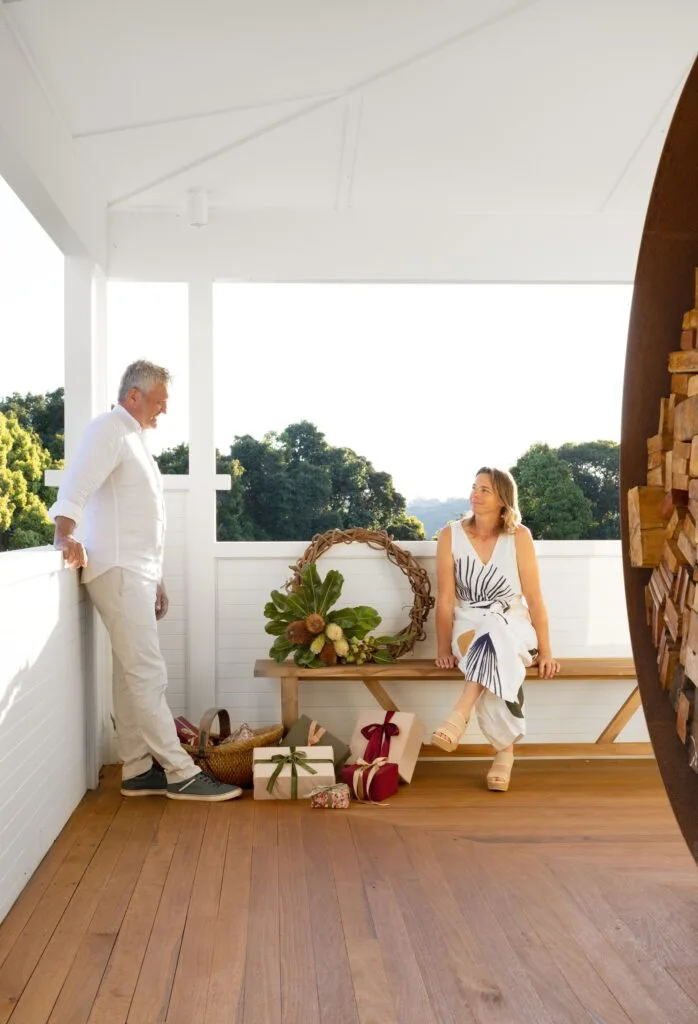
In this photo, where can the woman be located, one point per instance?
(491, 619)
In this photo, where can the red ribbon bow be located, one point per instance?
(379, 735)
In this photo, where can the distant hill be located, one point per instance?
(435, 514)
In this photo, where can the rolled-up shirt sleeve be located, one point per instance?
(97, 456)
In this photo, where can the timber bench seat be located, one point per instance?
(373, 676)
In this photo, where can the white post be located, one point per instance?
(201, 505)
(85, 397)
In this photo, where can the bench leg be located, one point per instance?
(384, 699)
(289, 701)
(621, 718)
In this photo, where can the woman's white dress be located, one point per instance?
(493, 637)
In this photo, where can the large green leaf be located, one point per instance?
(312, 583)
(383, 657)
(280, 601)
(344, 617)
(277, 627)
(281, 648)
(330, 591)
(298, 604)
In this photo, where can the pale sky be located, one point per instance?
(427, 381)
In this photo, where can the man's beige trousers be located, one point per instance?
(145, 728)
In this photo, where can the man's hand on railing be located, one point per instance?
(74, 553)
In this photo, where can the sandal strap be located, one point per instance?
(453, 726)
(501, 766)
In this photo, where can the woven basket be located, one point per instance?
(230, 762)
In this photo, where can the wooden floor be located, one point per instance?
(570, 899)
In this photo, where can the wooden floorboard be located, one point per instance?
(572, 899)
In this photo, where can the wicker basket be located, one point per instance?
(230, 762)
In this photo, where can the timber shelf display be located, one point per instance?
(663, 534)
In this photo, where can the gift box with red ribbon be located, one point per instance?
(373, 781)
(393, 735)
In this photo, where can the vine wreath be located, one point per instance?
(378, 539)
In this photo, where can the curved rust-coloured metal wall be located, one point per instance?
(664, 290)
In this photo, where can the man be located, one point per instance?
(113, 490)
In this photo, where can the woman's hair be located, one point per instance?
(506, 490)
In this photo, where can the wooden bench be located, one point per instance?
(373, 677)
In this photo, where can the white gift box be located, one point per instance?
(267, 759)
(404, 746)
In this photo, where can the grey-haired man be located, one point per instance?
(113, 492)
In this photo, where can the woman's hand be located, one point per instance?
(446, 660)
(547, 667)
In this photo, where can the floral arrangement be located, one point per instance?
(303, 623)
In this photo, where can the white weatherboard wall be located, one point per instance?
(583, 586)
(42, 710)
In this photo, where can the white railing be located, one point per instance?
(43, 688)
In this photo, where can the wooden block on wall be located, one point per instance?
(691, 664)
(681, 451)
(692, 386)
(655, 460)
(672, 556)
(673, 619)
(684, 712)
(686, 418)
(683, 362)
(645, 507)
(646, 547)
(667, 407)
(687, 548)
(688, 339)
(660, 443)
(679, 384)
(690, 320)
(668, 470)
(655, 477)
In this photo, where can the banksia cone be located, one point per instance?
(318, 644)
(298, 633)
(315, 623)
(334, 632)
(328, 655)
(341, 647)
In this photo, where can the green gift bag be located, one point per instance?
(305, 732)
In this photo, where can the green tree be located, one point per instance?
(293, 484)
(595, 468)
(44, 414)
(24, 522)
(552, 504)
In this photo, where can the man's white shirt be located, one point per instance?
(112, 490)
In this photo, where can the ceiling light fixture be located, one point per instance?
(197, 207)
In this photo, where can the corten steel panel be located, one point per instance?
(664, 290)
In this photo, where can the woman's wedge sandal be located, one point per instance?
(448, 734)
(499, 775)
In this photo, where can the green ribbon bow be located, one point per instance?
(296, 759)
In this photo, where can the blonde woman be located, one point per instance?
(491, 620)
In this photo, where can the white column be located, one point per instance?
(201, 505)
(85, 347)
(85, 398)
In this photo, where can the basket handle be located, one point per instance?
(207, 720)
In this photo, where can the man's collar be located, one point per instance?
(128, 418)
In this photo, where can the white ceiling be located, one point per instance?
(451, 106)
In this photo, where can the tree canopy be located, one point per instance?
(571, 492)
(293, 484)
(24, 522)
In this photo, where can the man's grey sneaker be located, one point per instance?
(150, 783)
(202, 787)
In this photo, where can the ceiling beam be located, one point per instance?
(378, 76)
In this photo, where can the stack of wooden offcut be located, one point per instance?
(662, 520)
